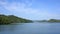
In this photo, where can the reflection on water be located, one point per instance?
(6, 28)
(10, 27)
(31, 28)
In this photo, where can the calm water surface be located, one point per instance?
(30, 28)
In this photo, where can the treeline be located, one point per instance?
(53, 20)
(50, 20)
(4, 19)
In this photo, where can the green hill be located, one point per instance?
(50, 20)
(4, 19)
(53, 20)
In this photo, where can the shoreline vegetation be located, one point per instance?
(50, 20)
(4, 19)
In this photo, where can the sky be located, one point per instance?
(31, 9)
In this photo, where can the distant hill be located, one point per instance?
(50, 20)
(4, 19)
(53, 20)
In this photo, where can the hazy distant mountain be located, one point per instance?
(50, 20)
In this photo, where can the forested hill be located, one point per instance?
(4, 19)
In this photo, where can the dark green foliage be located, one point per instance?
(12, 19)
(53, 20)
(50, 20)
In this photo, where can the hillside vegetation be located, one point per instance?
(4, 19)
(53, 20)
(50, 20)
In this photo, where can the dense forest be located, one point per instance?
(4, 19)
(53, 20)
(50, 20)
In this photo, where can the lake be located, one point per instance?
(30, 28)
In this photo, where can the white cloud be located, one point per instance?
(26, 9)
(18, 7)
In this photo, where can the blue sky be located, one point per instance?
(31, 9)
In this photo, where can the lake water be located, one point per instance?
(30, 28)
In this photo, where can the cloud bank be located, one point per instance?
(24, 9)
